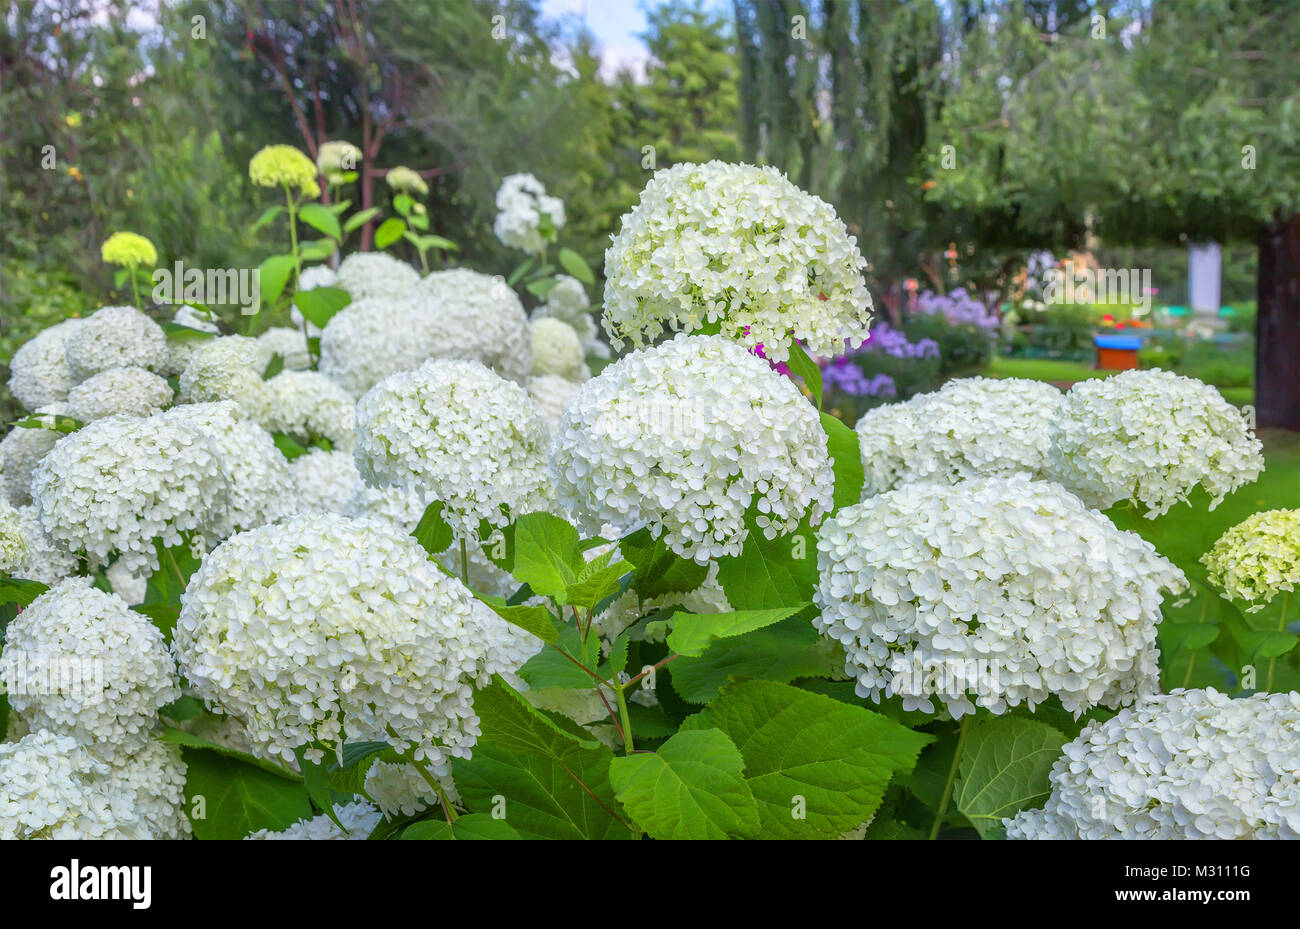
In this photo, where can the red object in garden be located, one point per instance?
(1117, 352)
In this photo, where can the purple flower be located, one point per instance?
(843, 375)
(958, 307)
(885, 338)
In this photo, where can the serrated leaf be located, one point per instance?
(432, 531)
(549, 668)
(20, 590)
(692, 787)
(831, 760)
(534, 619)
(546, 555)
(846, 461)
(470, 826)
(694, 632)
(186, 740)
(783, 652)
(512, 723)
(321, 219)
(659, 570)
(238, 798)
(1004, 769)
(576, 265)
(320, 304)
(618, 655)
(770, 572)
(595, 583)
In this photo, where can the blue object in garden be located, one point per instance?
(1117, 352)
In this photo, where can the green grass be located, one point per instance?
(1186, 532)
(1042, 369)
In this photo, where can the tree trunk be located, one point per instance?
(1277, 325)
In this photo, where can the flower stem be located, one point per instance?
(464, 562)
(627, 720)
(135, 286)
(1281, 627)
(952, 777)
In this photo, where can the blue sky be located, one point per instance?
(616, 24)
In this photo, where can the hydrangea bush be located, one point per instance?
(385, 560)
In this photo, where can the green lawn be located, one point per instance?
(1064, 372)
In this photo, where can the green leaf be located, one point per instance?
(20, 591)
(403, 203)
(360, 218)
(597, 581)
(546, 555)
(1004, 769)
(811, 755)
(846, 461)
(770, 572)
(534, 619)
(1276, 644)
(175, 567)
(784, 652)
(319, 304)
(542, 287)
(235, 799)
(520, 270)
(693, 787)
(316, 250)
(273, 367)
(539, 796)
(659, 570)
(432, 531)
(469, 826)
(273, 275)
(1191, 636)
(163, 615)
(576, 265)
(338, 209)
(512, 723)
(549, 668)
(270, 213)
(389, 231)
(438, 242)
(185, 334)
(804, 367)
(618, 655)
(321, 219)
(317, 783)
(287, 446)
(186, 740)
(694, 632)
(54, 422)
(181, 709)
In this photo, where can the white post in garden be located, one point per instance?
(1204, 271)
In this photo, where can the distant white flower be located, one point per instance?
(115, 337)
(325, 481)
(229, 368)
(181, 345)
(1192, 764)
(568, 301)
(739, 245)
(1151, 437)
(998, 591)
(21, 450)
(112, 667)
(528, 217)
(39, 374)
(359, 819)
(1258, 558)
(557, 350)
(376, 274)
(460, 433)
(684, 437)
(472, 316)
(15, 546)
(372, 640)
(289, 344)
(307, 405)
(553, 395)
(129, 391)
(971, 427)
(46, 562)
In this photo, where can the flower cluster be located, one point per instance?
(15, 546)
(290, 344)
(359, 818)
(529, 218)
(557, 349)
(47, 563)
(118, 483)
(685, 437)
(39, 373)
(476, 316)
(553, 395)
(21, 450)
(741, 246)
(1258, 558)
(128, 250)
(111, 664)
(1014, 573)
(406, 181)
(376, 274)
(114, 337)
(463, 435)
(325, 480)
(1151, 437)
(129, 391)
(336, 159)
(971, 427)
(1192, 764)
(181, 345)
(155, 777)
(229, 368)
(306, 405)
(371, 640)
(568, 301)
(370, 339)
(284, 166)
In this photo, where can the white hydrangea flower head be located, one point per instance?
(971, 427)
(1258, 558)
(553, 395)
(117, 484)
(115, 337)
(39, 374)
(310, 279)
(740, 245)
(180, 346)
(46, 562)
(155, 777)
(462, 434)
(359, 819)
(51, 788)
(684, 437)
(400, 790)
(260, 486)
(468, 315)
(289, 344)
(125, 391)
(21, 450)
(557, 350)
(368, 340)
(376, 274)
(307, 404)
(372, 640)
(15, 543)
(1151, 437)
(522, 201)
(1007, 590)
(229, 368)
(1191, 764)
(325, 481)
(127, 586)
(567, 300)
(118, 666)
